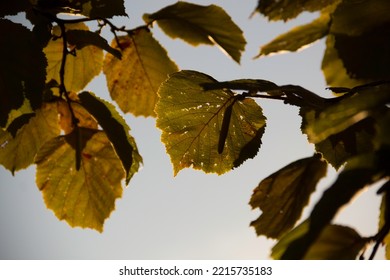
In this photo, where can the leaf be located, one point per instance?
(191, 119)
(84, 38)
(282, 196)
(89, 8)
(359, 172)
(22, 69)
(335, 242)
(289, 9)
(116, 129)
(133, 81)
(198, 24)
(80, 69)
(18, 152)
(298, 37)
(252, 85)
(384, 216)
(347, 112)
(83, 198)
(12, 7)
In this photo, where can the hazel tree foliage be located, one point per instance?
(83, 149)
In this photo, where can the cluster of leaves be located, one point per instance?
(82, 146)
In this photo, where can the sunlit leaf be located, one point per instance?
(84, 38)
(198, 24)
(83, 198)
(335, 242)
(22, 69)
(80, 68)
(282, 196)
(298, 37)
(289, 9)
(117, 131)
(18, 152)
(89, 8)
(134, 80)
(359, 172)
(191, 119)
(347, 112)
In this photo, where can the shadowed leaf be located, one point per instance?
(116, 129)
(133, 81)
(22, 69)
(12, 7)
(197, 24)
(18, 152)
(282, 196)
(191, 120)
(83, 198)
(80, 68)
(336, 242)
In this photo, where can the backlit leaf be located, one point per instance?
(198, 24)
(83, 198)
(18, 152)
(336, 242)
(282, 196)
(289, 9)
(133, 81)
(298, 37)
(80, 68)
(84, 38)
(252, 85)
(191, 119)
(22, 69)
(359, 172)
(116, 129)
(347, 112)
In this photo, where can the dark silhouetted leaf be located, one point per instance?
(244, 84)
(22, 69)
(282, 196)
(116, 129)
(289, 9)
(133, 82)
(80, 69)
(83, 198)
(18, 152)
(335, 242)
(358, 173)
(84, 38)
(298, 37)
(12, 7)
(191, 119)
(197, 24)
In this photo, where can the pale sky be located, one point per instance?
(192, 215)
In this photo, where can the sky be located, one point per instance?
(193, 215)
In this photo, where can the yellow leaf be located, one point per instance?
(134, 80)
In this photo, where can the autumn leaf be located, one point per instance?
(83, 198)
(191, 120)
(133, 81)
(282, 196)
(198, 24)
(80, 68)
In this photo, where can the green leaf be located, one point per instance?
(335, 242)
(116, 129)
(251, 85)
(359, 172)
(289, 9)
(347, 112)
(89, 8)
(80, 69)
(282, 196)
(84, 38)
(83, 198)
(191, 119)
(18, 152)
(133, 82)
(198, 24)
(298, 37)
(22, 69)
